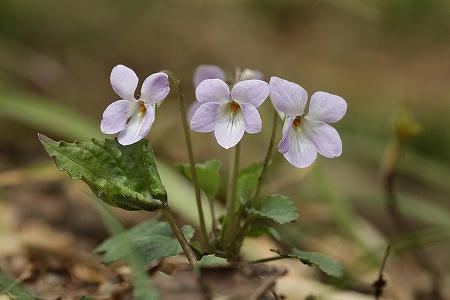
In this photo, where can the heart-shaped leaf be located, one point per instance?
(327, 264)
(276, 208)
(121, 176)
(208, 176)
(247, 181)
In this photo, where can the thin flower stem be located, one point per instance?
(231, 196)
(255, 200)
(187, 136)
(213, 217)
(263, 260)
(180, 236)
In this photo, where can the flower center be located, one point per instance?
(142, 108)
(234, 106)
(297, 122)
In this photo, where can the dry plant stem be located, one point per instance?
(255, 200)
(187, 136)
(180, 236)
(231, 197)
(422, 259)
(380, 283)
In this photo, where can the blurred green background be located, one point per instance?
(382, 56)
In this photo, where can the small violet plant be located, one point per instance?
(123, 173)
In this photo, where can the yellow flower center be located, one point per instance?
(142, 108)
(234, 106)
(297, 122)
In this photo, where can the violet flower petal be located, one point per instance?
(327, 107)
(248, 74)
(250, 91)
(302, 151)
(229, 127)
(207, 72)
(205, 117)
(212, 90)
(138, 127)
(283, 145)
(115, 117)
(325, 137)
(288, 97)
(192, 109)
(124, 82)
(253, 123)
(155, 88)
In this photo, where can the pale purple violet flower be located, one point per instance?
(204, 72)
(229, 114)
(133, 117)
(305, 135)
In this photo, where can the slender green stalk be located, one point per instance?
(187, 135)
(180, 236)
(231, 196)
(213, 217)
(263, 260)
(255, 200)
(240, 235)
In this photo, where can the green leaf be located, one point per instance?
(207, 174)
(121, 176)
(259, 229)
(248, 181)
(143, 288)
(150, 240)
(12, 287)
(327, 264)
(277, 208)
(211, 261)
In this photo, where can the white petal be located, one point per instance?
(302, 151)
(205, 116)
(155, 88)
(149, 118)
(229, 127)
(253, 123)
(325, 137)
(288, 97)
(327, 107)
(212, 90)
(115, 117)
(138, 127)
(124, 82)
(250, 91)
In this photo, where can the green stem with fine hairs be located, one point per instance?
(187, 136)
(180, 236)
(231, 196)
(255, 199)
(240, 235)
